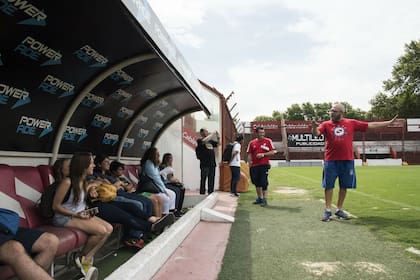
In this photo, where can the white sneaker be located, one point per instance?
(92, 274)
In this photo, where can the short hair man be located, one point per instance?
(339, 157)
(259, 150)
(207, 157)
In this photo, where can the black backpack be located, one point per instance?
(46, 201)
(227, 152)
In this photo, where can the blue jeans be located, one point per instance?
(236, 176)
(207, 173)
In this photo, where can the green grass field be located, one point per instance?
(287, 240)
(387, 199)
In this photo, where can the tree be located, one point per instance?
(403, 87)
(294, 113)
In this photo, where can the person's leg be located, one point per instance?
(263, 175)
(157, 205)
(212, 173)
(235, 174)
(44, 249)
(119, 212)
(341, 196)
(165, 203)
(98, 230)
(172, 199)
(254, 179)
(13, 253)
(177, 192)
(346, 179)
(328, 192)
(329, 175)
(204, 173)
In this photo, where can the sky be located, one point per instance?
(275, 53)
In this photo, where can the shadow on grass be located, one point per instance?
(284, 208)
(237, 262)
(378, 223)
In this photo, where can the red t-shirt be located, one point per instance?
(339, 138)
(260, 146)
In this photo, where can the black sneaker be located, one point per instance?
(340, 214)
(257, 201)
(327, 216)
(162, 223)
(263, 202)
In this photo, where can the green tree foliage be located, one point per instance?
(309, 111)
(402, 90)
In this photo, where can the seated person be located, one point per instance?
(150, 167)
(71, 212)
(116, 169)
(101, 173)
(171, 182)
(17, 245)
(118, 213)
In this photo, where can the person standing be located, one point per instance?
(259, 150)
(339, 156)
(235, 165)
(205, 153)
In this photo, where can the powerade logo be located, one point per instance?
(148, 94)
(146, 145)
(162, 104)
(121, 77)
(10, 7)
(75, 134)
(121, 95)
(90, 56)
(37, 51)
(110, 139)
(54, 85)
(157, 126)
(125, 113)
(101, 121)
(142, 120)
(32, 126)
(142, 133)
(128, 143)
(92, 101)
(158, 115)
(7, 92)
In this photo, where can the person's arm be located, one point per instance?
(381, 124)
(315, 130)
(210, 136)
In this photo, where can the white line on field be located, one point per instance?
(387, 200)
(364, 194)
(413, 250)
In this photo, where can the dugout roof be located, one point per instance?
(92, 75)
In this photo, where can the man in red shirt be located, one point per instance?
(339, 158)
(259, 150)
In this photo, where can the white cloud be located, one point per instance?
(286, 51)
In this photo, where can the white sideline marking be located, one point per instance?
(335, 206)
(402, 205)
(413, 250)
